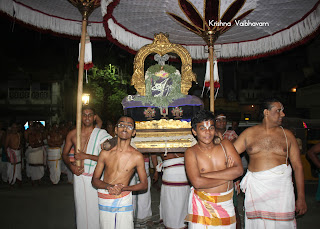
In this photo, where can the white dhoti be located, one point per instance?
(54, 164)
(14, 166)
(36, 162)
(86, 204)
(116, 211)
(142, 200)
(85, 195)
(175, 192)
(211, 210)
(269, 198)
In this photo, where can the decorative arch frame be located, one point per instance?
(161, 45)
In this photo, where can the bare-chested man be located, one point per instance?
(12, 147)
(269, 193)
(35, 152)
(118, 165)
(55, 141)
(211, 169)
(85, 196)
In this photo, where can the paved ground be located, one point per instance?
(51, 207)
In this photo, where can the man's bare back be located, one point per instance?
(13, 141)
(35, 138)
(55, 138)
(266, 149)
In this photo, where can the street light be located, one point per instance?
(85, 99)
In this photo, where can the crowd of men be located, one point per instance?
(198, 186)
(33, 151)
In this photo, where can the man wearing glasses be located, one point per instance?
(86, 197)
(117, 167)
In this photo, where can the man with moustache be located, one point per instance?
(273, 152)
(86, 197)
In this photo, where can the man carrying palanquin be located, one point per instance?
(269, 193)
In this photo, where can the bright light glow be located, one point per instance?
(294, 89)
(252, 106)
(247, 119)
(85, 99)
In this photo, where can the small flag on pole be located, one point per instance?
(215, 76)
(87, 54)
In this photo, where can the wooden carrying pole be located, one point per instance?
(86, 7)
(211, 49)
(80, 87)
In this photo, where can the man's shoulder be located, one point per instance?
(190, 150)
(252, 129)
(72, 133)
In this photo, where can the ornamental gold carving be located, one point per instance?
(161, 45)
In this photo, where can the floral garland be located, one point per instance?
(161, 101)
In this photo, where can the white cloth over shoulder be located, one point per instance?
(269, 198)
(98, 136)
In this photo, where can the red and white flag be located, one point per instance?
(215, 76)
(87, 54)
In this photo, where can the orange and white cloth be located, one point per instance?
(211, 210)
(116, 211)
(269, 198)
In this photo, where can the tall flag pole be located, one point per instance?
(85, 7)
